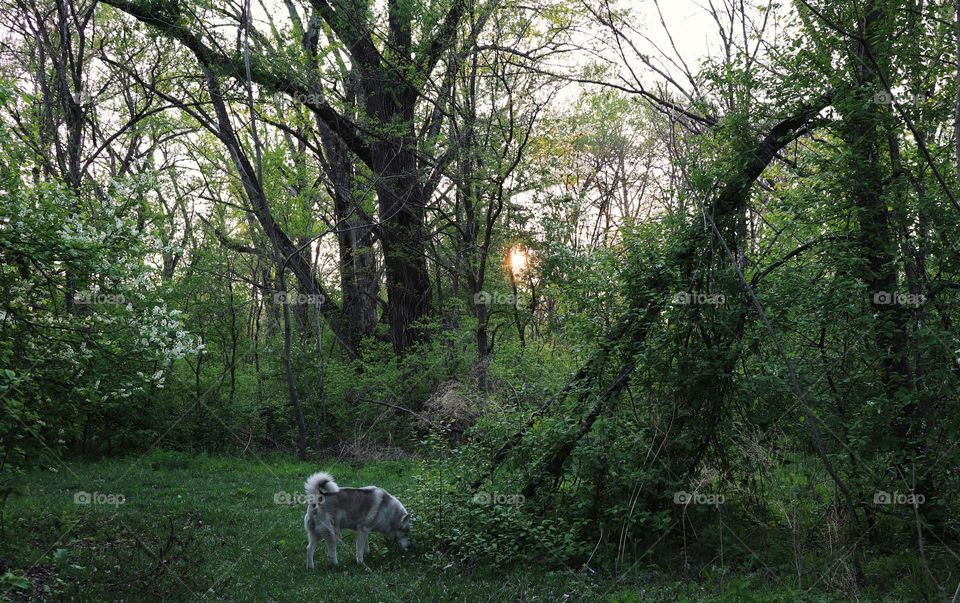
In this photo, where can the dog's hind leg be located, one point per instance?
(362, 544)
(310, 526)
(311, 547)
(331, 540)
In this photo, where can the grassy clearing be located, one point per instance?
(200, 527)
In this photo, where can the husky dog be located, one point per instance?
(364, 510)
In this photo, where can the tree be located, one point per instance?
(390, 81)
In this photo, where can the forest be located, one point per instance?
(625, 300)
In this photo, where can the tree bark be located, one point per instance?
(956, 108)
(291, 376)
(862, 133)
(355, 230)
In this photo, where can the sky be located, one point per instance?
(688, 20)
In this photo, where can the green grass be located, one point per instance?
(198, 527)
(201, 527)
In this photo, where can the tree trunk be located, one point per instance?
(291, 377)
(956, 110)
(403, 240)
(877, 240)
(359, 276)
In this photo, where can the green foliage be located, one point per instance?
(87, 338)
(735, 348)
(490, 526)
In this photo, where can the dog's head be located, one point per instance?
(401, 532)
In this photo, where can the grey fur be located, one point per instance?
(364, 510)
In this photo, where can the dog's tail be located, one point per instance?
(320, 483)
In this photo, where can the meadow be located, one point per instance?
(186, 527)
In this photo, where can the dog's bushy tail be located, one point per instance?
(320, 483)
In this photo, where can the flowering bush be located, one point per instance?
(85, 334)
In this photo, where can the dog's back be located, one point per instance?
(353, 507)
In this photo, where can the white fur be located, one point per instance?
(319, 483)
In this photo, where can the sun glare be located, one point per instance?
(518, 259)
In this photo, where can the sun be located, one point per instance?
(518, 260)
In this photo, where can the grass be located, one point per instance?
(198, 527)
(201, 527)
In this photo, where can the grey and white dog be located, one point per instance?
(364, 510)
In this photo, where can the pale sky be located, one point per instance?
(690, 23)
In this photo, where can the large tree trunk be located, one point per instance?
(402, 206)
(355, 230)
(359, 274)
(877, 241)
